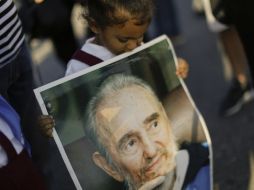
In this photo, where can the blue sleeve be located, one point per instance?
(201, 181)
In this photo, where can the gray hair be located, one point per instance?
(111, 85)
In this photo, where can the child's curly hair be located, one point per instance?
(111, 12)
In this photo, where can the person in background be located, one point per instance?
(17, 170)
(240, 91)
(165, 21)
(50, 19)
(239, 14)
(16, 73)
(223, 17)
(17, 83)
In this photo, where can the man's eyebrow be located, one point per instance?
(151, 118)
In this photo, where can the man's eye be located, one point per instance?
(131, 146)
(131, 143)
(154, 124)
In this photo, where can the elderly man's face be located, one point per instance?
(137, 135)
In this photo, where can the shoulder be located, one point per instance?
(201, 180)
(74, 66)
(199, 158)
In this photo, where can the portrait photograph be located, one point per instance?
(130, 123)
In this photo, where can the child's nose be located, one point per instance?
(132, 44)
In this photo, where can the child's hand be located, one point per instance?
(182, 69)
(46, 124)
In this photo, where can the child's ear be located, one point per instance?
(101, 162)
(93, 26)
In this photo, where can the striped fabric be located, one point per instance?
(11, 34)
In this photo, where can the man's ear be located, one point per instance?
(101, 162)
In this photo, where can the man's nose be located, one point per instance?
(149, 148)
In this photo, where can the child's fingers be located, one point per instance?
(48, 126)
(46, 119)
(181, 74)
(182, 68)
(178, 73)
(49, 132)
(181, 61)
(182, 64)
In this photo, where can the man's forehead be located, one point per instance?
(130, 98)
(110, 112)
(131, 104)
(128, 93)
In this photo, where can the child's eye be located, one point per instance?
(122, 40)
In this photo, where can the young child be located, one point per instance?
(119, 26)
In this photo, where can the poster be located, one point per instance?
(126, 123)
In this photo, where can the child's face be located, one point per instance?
(123, 37)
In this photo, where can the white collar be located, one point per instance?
(94, 49)
(182, 162)
(174, 180)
